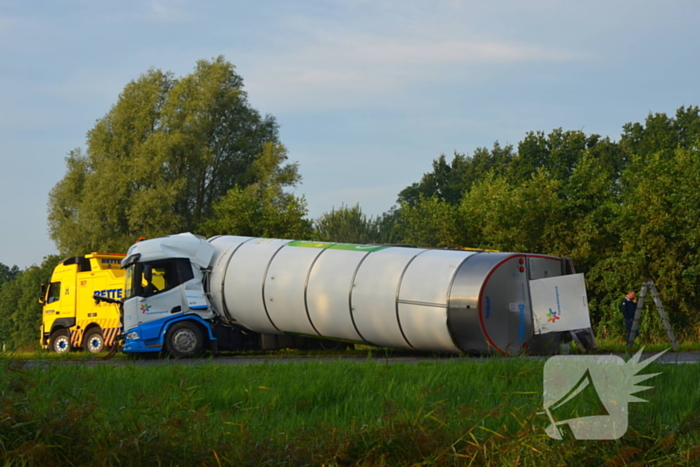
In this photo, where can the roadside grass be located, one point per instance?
(619, 345)
(452, 412)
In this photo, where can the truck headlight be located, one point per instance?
(133, 335)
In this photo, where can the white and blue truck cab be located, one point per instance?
(164, 293)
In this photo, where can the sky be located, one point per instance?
(366, 93)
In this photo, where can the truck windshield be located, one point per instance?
(129, 290)
(146, 279)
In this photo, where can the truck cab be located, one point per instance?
(71, 319)
(165, 295)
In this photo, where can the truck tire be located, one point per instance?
(59, 341)
(93, 341)
(184, 340)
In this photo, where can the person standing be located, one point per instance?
(628, 308)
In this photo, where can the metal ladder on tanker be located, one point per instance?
(649, 285)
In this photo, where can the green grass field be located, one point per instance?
(471, 412)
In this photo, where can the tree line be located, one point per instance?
(191, 154)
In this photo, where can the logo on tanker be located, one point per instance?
(145, 308)
(552, 316)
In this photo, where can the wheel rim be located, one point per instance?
(62, 344)
(184, 340)
(95, 343)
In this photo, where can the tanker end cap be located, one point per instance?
(184, 245)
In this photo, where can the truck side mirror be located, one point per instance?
(42, 294)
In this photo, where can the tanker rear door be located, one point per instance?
(559, 304)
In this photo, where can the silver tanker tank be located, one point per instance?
(402, 297)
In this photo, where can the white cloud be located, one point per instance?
(337, 67)
(421, 51)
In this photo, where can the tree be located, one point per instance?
(660, 133)
(558, 152)
(498, 214)
(449, 181)
(443, 183)
(8, 273)
(20, 311)
(431, 222)
(159, 160)
(346, 225)
(263, 209)
(388, 225)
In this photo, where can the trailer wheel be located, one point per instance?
(93, 341)
(59, 341)
(184, 340)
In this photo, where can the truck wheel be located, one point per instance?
(59, 341)
(93, 341)
(184, 340)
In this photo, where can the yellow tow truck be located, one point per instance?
(71, 318)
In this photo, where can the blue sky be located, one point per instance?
(367, 93)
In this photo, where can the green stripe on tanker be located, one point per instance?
(336, 246)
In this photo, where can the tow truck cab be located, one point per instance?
(70, 317)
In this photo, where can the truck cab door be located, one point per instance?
(155, 291)
(60, 301)
(157, 306)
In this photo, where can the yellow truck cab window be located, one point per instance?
(54, 294)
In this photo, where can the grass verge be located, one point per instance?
(339, 413)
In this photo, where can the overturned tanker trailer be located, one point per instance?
(185, 294)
